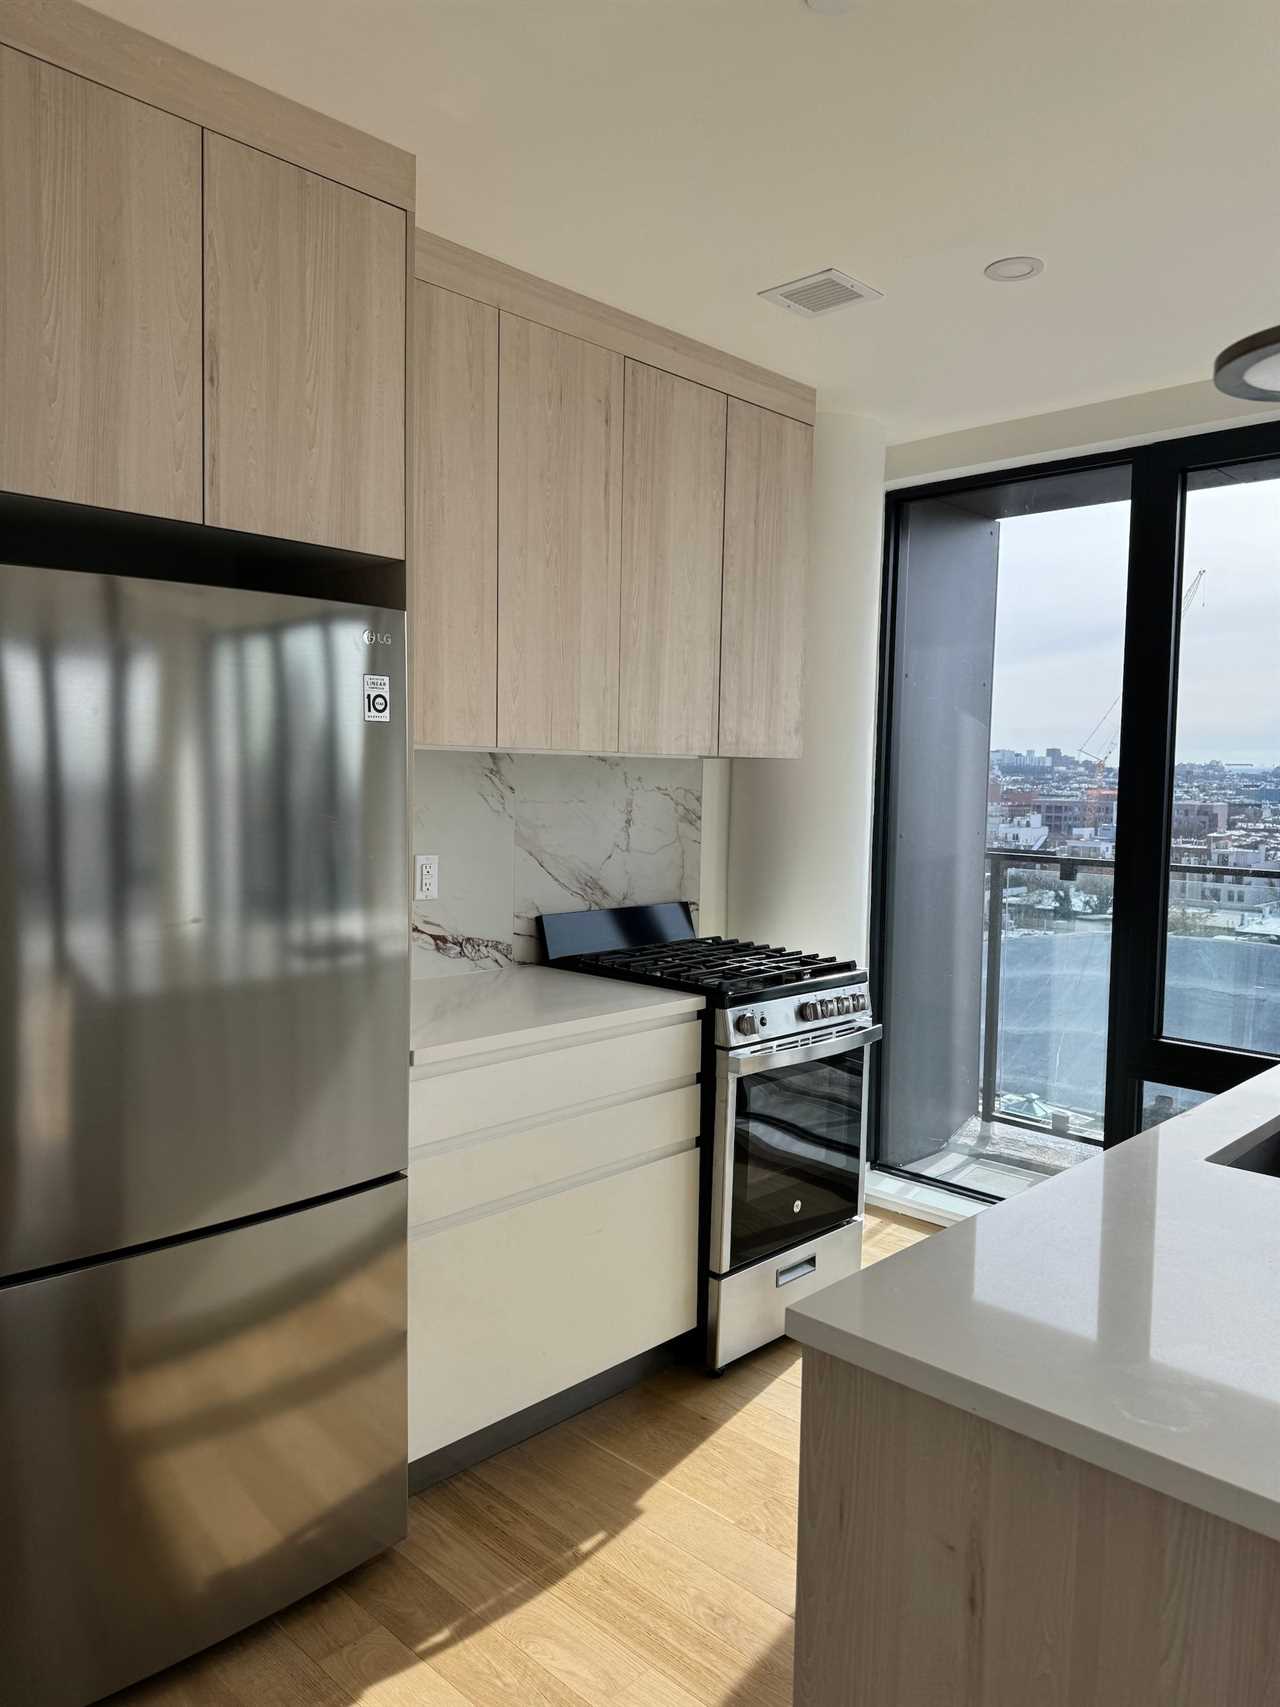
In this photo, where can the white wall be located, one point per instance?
(1113, 424)
(800, 829)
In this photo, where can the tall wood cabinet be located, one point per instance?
(672, 535)
(559, 539)
(100, 308)
(619, 566)
(192, 327)
(768, 496)
(304, 354)
(455, 519)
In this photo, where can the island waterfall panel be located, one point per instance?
(945, 1559)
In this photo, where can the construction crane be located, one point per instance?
(1109, 746)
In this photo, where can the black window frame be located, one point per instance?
(1137, 1051)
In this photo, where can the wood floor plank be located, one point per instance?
(652, 1562)
(472, 1655)
(363, 1657)
(622, 1494)
(655, 1690)
(783, 1356)
(667, 1639)
(761, 1385)
(750, 1485)
(264, 1668)
(443, 1545)
(722, 1407)
(885, 1234)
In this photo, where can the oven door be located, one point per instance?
(789, 1144)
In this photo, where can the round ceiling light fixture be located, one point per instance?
(1251, 368)
(1012, 269)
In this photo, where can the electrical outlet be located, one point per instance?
(426, 877)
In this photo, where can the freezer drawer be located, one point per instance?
(193, 1437)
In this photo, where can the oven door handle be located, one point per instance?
(737, 1066)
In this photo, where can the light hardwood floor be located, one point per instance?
(641, 1554)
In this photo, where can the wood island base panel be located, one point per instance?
(945, 1561)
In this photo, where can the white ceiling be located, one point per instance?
(674, 157)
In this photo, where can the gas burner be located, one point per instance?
(728, 971)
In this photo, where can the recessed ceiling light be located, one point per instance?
(1251, 368)
(1012, 269)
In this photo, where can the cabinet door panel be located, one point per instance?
(672, 539)
(99, 295)
(559, 539)
(455, 532)
(768, 494)
(304, 354)
(506, 1310)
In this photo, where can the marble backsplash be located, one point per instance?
(519, 834)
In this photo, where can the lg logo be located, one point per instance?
(372, 637)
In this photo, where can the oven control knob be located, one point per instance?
(809, 1010)
(828, 1008)
(746, 1024)
(844, 1004)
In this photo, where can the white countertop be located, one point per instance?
(1126, 1312)
(482, 1011)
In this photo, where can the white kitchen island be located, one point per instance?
(1041, 1451)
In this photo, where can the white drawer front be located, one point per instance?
(509, 1309)
(447, 1104)
(494, 1167)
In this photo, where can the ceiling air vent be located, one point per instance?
(820, 293)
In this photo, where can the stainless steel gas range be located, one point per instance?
(785, 1041)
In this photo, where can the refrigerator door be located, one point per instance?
(203, 907)
(205, 1432)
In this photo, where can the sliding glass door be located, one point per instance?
(1077, 883)
(1007, 648)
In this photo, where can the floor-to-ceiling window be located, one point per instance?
(1077, 927)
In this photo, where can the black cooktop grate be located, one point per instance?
(724, 969)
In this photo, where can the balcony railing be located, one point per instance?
(1046, 971)
(1044, 1019)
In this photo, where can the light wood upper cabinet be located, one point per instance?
(455, 529)
(100, 397)
(559, 539)
(768, 495)
(304, 354)
(672, 535)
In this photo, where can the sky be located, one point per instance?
(1060, 625)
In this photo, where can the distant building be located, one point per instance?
(1059, 813)
(1192, 818)
(1022, 834)
(1100, 807)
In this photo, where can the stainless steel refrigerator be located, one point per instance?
(203, 1114)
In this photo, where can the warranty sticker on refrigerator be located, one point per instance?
(377, 699)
